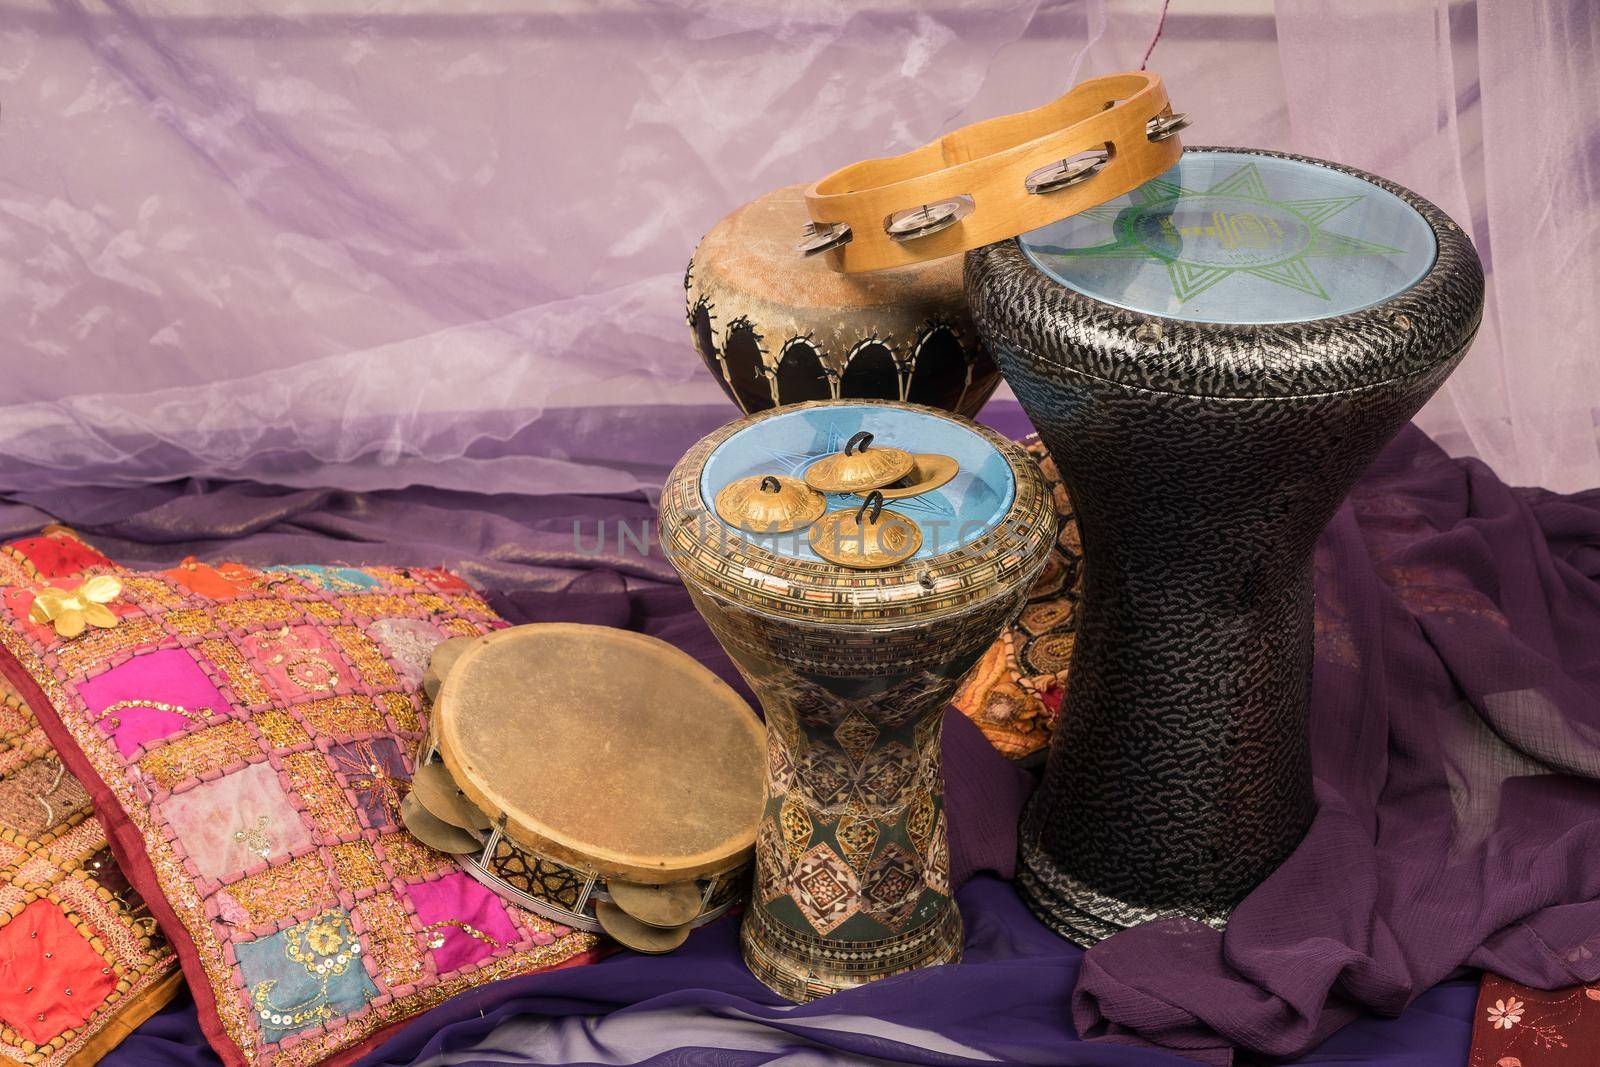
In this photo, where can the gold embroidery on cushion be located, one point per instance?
(376, 606)
(149, 592)
(403, 712)
(356, 864)
(433, 602)
(460, 627)
(321, 609)
(99, 646)
(409, 857)
(189, 622)
(192, 755)
(251, 614)
(341, 715)
(280, 891)
(360, 650)
(395, 947)
(313, 783)
(226, 657)
(471, 604)
(280, 729)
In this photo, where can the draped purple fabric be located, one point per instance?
(375, 245)
(1456, 743)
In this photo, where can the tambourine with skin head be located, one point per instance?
(996, 179)
(598, 777)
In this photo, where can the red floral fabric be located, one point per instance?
(1516, 1026)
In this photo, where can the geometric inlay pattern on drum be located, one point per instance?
(825, 888)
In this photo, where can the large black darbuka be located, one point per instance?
(1212, 361)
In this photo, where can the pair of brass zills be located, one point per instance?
(864, 539)
(995, 179)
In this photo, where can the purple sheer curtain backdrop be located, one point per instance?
(323, 243)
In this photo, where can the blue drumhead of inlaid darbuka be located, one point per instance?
(970, 505)
(1241, 238)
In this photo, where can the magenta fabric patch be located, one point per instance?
(236, 822)
(448, 904)
(298, 661)
(131, 702)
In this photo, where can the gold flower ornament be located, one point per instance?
(71, 610)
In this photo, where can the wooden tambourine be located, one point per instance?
(598, 777)
(995, 179)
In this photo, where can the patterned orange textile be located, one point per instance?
(81, 960)
(1014, 693)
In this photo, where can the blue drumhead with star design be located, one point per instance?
(970, 505)
(1240, 238)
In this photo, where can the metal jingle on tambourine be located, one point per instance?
(1065, 173)
(820, 237)
(433, 831)
(444, 656)
(662, 906)
(1164, 126)
(639, 936)
(867, 538)
(928, 472)
(928, 218)
(859, 467)
(770, 503)
(438, 792)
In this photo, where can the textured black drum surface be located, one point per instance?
(1204, 460)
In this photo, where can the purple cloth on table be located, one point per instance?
(1457, 661)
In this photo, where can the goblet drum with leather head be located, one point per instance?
(854, 633)
(1212, 361)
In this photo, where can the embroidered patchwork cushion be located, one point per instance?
(246, 735)
(81, 960)
(1014, 693)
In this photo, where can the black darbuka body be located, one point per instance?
(1203, 460)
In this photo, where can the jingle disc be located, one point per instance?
(846, 538)
(440, 662)
(434, 831)
(858, 469)
(663, 906)
(606, 750)
(641, 937)
(770, 503)
(928, 472)
(437, 791)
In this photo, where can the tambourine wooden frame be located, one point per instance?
(990, 162)
(548, 841)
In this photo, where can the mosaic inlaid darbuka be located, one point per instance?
(854, 669)
(1212, 361)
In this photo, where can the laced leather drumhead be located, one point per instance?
(606, 749)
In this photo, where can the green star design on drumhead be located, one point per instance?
(1292, 229)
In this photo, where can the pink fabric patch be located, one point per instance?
(297, 662)
(409, 643)
(121, 699)
(458, 898)
(238, 821)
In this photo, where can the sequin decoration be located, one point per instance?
(360, 650)
(342, 715)
(192, 755)
(244, 682)
(312, 780)
(256, 742)
(280, 891)
(356, 866)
